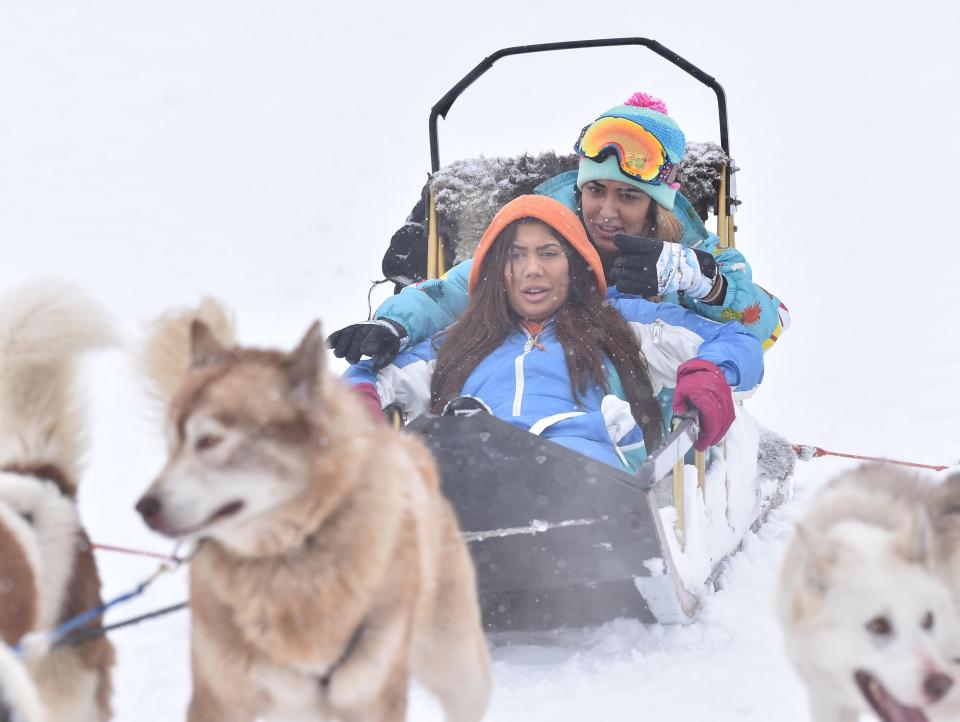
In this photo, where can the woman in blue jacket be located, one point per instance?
(541, 347)
(650, 240)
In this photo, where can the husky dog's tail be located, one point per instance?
(44, 326)
(166, 355)
(19, 700)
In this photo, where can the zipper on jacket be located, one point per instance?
(532, 341)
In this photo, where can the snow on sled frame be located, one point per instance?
(727, 200)
(559, 539)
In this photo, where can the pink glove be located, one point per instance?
(370, 399)
(701, 384)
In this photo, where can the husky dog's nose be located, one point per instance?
(149, 506)
(936, 685)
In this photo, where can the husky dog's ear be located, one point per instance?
(915, 540)
(205, 350)
(306, 365)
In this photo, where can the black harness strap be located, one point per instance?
(83, 635)
(324, 680)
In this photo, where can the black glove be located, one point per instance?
(634, 271)
(381, 339)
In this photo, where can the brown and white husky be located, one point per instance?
(45, 557)
(330, 567)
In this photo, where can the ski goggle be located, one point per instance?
(640, 154)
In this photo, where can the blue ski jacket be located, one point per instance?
(525, 381)
(430, 306)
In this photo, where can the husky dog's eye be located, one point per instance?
(27, 517)
(207, 441)
(927, 621)
(880, 626)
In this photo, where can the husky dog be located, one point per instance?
(46, 561)
(868, 621)
(329, 566)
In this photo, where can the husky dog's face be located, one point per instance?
(878, 622)
(237, 434)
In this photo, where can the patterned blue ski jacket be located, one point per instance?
(525, 381)
(430, 306)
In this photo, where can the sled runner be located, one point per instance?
(560, 539)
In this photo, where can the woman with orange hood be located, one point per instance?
(541, 347)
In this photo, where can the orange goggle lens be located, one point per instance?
(641, 155)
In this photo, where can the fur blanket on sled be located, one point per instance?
(469, 192)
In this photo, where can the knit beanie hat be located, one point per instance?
(651, 114)
(556, 215)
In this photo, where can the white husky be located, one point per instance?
(868, 620)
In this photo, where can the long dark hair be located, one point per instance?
(587, 329)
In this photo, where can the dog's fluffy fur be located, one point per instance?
(20, 572)
(44, 327)
(19, 699)
(329, 565)
(869, 621)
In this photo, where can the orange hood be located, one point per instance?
(556, 215)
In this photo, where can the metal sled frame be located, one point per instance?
(726, 204)
(558, 538)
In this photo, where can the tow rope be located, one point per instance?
(135, 552)
(805, 452)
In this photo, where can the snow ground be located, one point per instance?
(158, 152)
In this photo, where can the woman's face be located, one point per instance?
(537, 272)
(611, 207)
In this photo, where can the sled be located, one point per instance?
(562, 540)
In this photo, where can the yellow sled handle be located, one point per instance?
(725, 204)
(436, 263)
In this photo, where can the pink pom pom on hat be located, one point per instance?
(642, 100)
